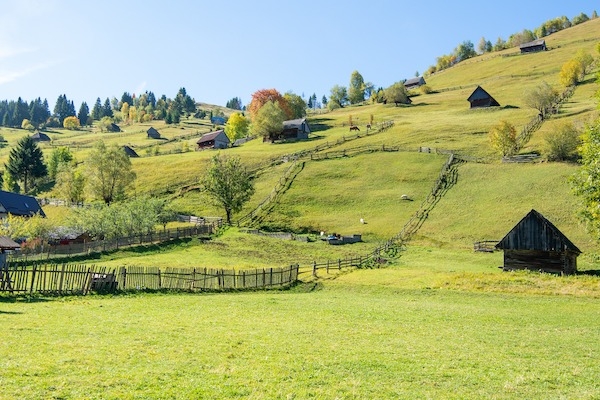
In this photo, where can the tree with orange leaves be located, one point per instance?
(261, 97)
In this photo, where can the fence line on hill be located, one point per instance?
(82, 279)
(47, 252)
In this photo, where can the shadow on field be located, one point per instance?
(589, 272)
(10, 312)
(320, 124)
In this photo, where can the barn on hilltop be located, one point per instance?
(481, 98)
(536, 244)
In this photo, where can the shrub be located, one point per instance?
(503, 138)
(562, 142)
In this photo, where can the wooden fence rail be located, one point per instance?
(81, 279)
(47, 252)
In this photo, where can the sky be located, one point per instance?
(218, 50)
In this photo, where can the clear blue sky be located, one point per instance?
(220, 50)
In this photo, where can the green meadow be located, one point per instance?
(437, 321)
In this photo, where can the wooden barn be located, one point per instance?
(481, 98)
(294, 129)
(153, 133)
(113, 128)
(213, 140)
(130, 152)
(536, 244)
(40, 137)
(532, 47)
(414, 83)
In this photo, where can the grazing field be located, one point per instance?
(369, 334)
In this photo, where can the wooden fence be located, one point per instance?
(59, 251)
(82, 279)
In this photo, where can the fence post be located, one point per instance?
(314, 269)
(340, 264)
(327, 268)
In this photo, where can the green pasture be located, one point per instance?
(389, 333)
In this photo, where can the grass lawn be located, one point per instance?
(368, 334)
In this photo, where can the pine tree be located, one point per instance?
(97, 110)
(107, 109)
(83, 114)
(26, 162)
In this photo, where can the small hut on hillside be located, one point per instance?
(213, 140)
(130, 152)
(113, 128)
(40, 137)
(153, 133)
(414, 83)
(532, 47)
(536, 244)
(481, 98)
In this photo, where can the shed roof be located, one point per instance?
(479, 94)
(130, 152)
(152, 132)
(414, 81)
(7, 243)
(293, 123)
(535, 43)
(20, 204)
(41, 137)
(207, 137)
(535, 232)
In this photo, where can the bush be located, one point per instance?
(562, 143)
(426, 89)
(503, 138)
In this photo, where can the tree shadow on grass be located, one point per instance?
(589, 272)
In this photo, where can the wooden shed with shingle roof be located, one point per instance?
(536, 244)
(481, 98)
(532, 47)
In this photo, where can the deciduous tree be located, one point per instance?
(60, 155)
(70, 183)
(268, 121)
(261, 97)
(356, 89)
(338, 97)
(71, 123)
(503, 138)
(237, 126)
(109, 172)
(26, 162)
(570, 73)
(396, 94)
(297, 105)
(586, 182)
(228, 184)
(540, 98)
(562, 142)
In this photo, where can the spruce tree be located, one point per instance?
(26, 162)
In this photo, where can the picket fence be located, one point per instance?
(81, 279)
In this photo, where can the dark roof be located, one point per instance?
(207, 137)
(130, 152)
(293, 123)
(7, 243)
(40, 137)
(113, 128)
(535, 43)
(480, 94)
(535, 232)
(20, 204)
(414, 81)
(153, 132)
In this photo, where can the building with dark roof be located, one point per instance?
(130, 152)
(213, 140)
(19, 204)
(40, 137)
(481, 98)
(536, 244)
(532, 47)
(153, 133)
(414, 83)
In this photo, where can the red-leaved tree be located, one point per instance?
(261, 97)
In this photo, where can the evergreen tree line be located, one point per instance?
(130, 108)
